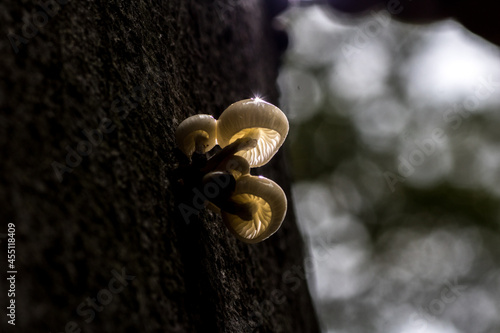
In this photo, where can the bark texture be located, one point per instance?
(90, 103)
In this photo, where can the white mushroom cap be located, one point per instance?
(261, 198)
(197, 133)
(257, 119)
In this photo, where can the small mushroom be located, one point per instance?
(197, 133)
(255, 210)
(253, 119)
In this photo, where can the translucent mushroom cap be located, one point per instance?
(196, 133)
(264, 200)
(257, 119)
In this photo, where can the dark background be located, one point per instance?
(134, 70)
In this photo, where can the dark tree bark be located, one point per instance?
(91, 95)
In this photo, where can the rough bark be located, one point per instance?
(123, 74)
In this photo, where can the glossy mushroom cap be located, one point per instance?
(260, 209)
(197, 133)
(253, 119)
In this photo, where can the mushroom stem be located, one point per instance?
(200, 143)
(245, 143)
(245, 211)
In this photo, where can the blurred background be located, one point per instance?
(394, 145)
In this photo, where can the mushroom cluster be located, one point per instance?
(249, 133)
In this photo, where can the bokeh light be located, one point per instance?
(395, 150)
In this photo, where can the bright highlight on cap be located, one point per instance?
(255, 119)
(250, 132)
(261, 206)
(197, 133)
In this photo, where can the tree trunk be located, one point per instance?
(91, 95)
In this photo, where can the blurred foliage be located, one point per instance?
(319, 145)
(395, 149)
